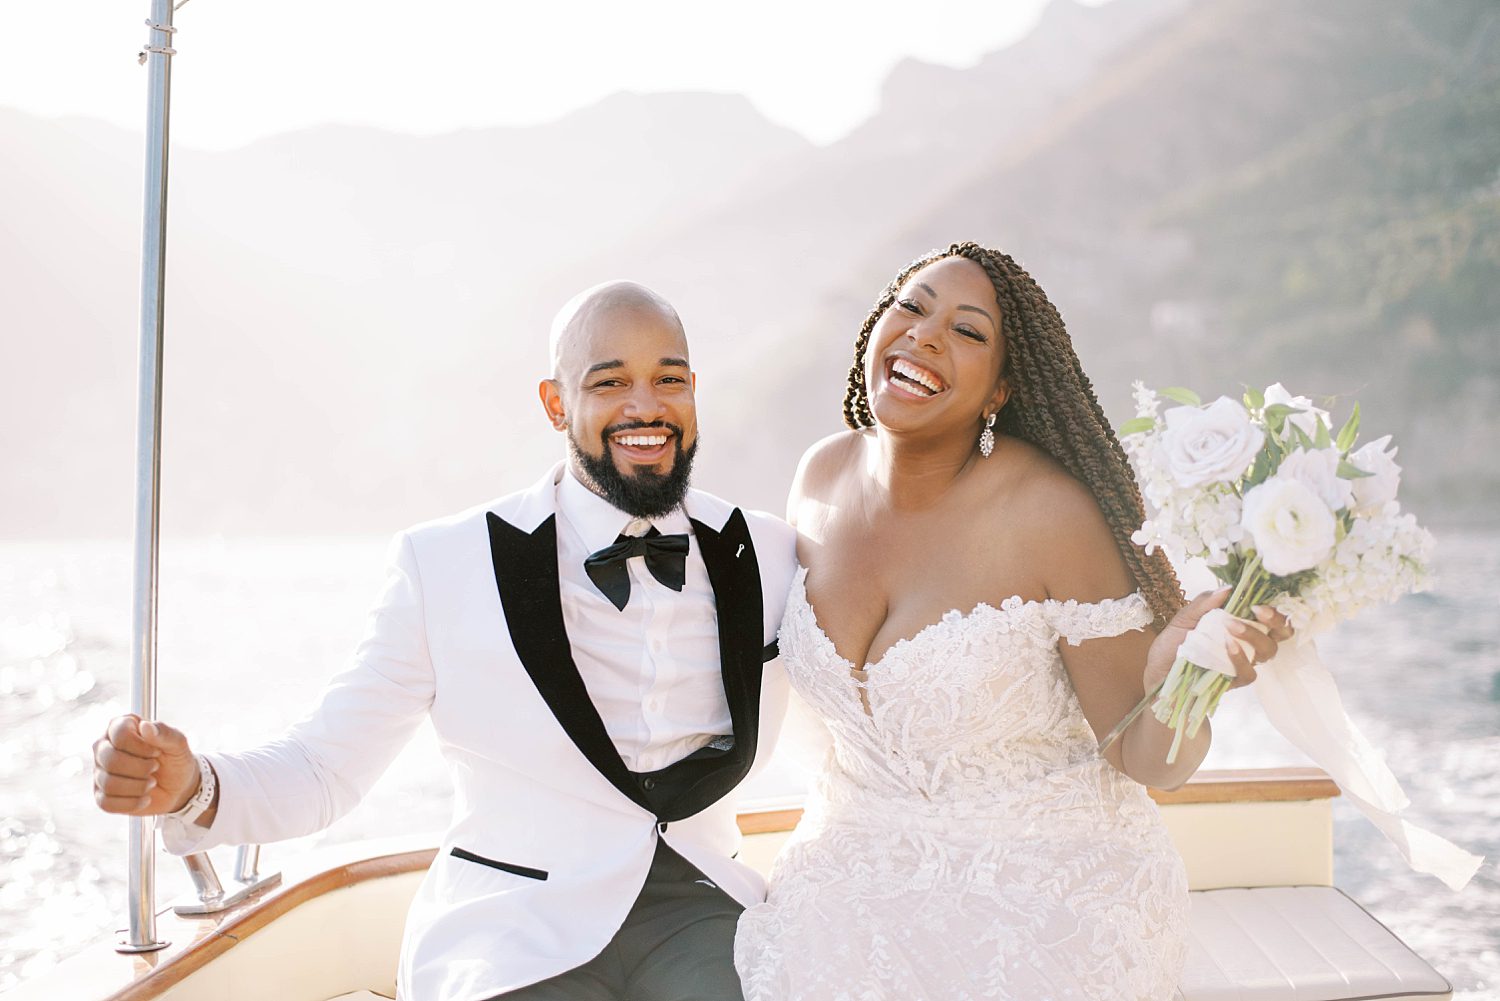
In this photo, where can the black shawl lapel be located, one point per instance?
(526, 574)
(734, 574)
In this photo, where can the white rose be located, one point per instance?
(1308, 419)
(1318, 470)
(1213, 444)
(1373, 492)
(1205, 644)
(1293, 530)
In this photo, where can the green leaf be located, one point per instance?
(1350, 431)
(1276, 414)
(1322, 438)
(1261, 471)
(1178, 394)
(1254, 398)
(1302, 438)
(1136, 425)
(1349, 471)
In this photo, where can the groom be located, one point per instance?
(596, 655)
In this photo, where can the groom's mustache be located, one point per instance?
(615, 429)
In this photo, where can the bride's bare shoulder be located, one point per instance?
(824, 463)
(1043, 488)
(1064, 529)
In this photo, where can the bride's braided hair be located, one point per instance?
(1052, 405)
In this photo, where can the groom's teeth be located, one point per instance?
(642, 441)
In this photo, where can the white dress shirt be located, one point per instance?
(651, 669)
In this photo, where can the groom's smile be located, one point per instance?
(641, 444)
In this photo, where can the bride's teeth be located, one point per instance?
(914, 374)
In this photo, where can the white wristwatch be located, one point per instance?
(203, 798)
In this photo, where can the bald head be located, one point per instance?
(588, 317)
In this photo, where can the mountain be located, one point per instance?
(1242, 190)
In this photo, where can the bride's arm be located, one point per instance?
(1076, 550)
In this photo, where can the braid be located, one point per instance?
(1052, 405)
(856, 399)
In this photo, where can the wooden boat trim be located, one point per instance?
(1244, 785)
(199, 940)
(1251, 785)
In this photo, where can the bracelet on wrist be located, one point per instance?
(203, 798)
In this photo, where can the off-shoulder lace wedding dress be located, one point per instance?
(966, 839)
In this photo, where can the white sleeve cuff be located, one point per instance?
(178, 836)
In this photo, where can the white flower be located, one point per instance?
(1308, 419)
(1146, 401)
(1373, 492)
(1212, 518)
(1318, 470)
(1292, 529)
(1213, 444)
(1381, 558)
(1205, 644)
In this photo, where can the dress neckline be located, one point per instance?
(951, 617)
(1008, 606)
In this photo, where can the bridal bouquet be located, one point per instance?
(1288, 513)
(1282, 509)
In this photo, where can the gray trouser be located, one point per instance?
(677, 944)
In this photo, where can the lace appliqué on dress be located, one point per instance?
(965, 839)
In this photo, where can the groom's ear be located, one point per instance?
(550, 390)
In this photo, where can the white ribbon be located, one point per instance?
(1300, 700)
(1204, 645)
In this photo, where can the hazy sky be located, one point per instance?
(247, 70)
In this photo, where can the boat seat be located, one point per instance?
(1281, 943)
(1297, 943)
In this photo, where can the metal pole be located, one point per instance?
(158, 56)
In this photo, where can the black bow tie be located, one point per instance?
(666, 558)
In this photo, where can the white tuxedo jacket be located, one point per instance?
(552, 836)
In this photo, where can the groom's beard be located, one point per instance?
(646, 494)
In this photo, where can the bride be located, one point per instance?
(970, 619)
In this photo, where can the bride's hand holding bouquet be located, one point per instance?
(1246, 641)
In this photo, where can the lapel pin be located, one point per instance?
(739, 550)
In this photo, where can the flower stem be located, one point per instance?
(1130, 717)
(1251, 579)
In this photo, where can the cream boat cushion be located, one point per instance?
(1283, 943)
(1297, 943)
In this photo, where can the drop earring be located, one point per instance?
(987, 437)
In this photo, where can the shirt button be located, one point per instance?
(656, 645)
(648, 784)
